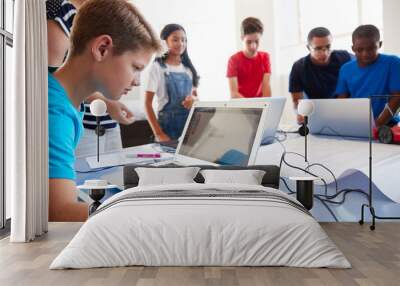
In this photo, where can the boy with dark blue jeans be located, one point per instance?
(371, 74)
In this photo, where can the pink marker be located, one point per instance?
(148, 155)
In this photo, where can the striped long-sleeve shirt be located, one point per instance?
(61, 11)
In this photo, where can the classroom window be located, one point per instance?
(6, 64)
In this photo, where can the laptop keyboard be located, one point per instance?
(169, 144)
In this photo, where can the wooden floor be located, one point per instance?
(375, 257)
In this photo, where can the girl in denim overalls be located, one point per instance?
(174, 80)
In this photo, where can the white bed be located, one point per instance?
(242, 228)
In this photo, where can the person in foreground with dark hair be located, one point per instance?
(174, 80)
(372, 74)
(315, 75)
(249, 70)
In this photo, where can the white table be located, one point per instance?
(344, 157)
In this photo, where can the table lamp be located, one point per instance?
(97, 190)
(305, 109)
(98, 108)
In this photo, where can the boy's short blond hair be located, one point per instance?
(119, 19)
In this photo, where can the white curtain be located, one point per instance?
(26, 124)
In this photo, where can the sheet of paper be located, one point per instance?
(125, 157)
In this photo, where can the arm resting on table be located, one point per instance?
(63, 204)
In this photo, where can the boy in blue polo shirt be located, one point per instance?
(370, 74)
(104, 56)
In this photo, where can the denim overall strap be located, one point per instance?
(173, 116)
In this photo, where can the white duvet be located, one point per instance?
(200, 231)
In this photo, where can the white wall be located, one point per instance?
(298, 17)
(341, 17)
(391, 24)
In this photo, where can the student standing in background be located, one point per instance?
(60, 16)
(174, 80)
(315, 75)
(249, 70)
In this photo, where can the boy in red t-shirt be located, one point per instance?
(249, 70)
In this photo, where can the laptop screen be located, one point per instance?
(222, 135)
(340, 117)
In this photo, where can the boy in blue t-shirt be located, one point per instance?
(371, 74)
(104, 56)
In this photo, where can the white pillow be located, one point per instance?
(166, 176)
(248, 177)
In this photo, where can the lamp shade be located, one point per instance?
(305, 107)
(98, 107)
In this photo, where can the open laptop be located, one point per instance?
(221, 133)
(347, 117)
(273, 118)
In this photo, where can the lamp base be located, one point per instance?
(374, 216)
(303, 130)
(305, 193)
(96, 195)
